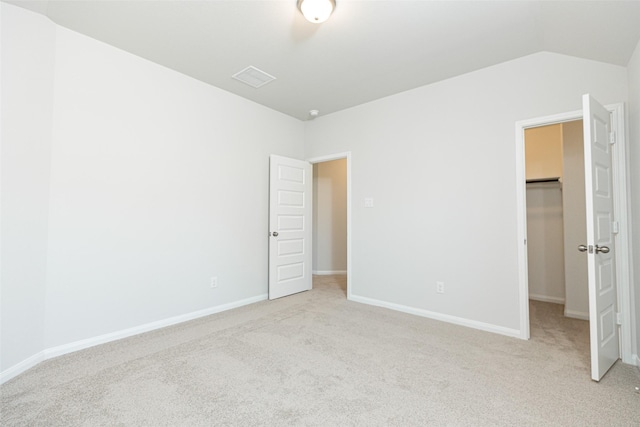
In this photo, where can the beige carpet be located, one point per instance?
(317, 359)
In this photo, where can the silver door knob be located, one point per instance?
(274, 234)
(582, 248)
(603, 249)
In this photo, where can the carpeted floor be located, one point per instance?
(317, 359)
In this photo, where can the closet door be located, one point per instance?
(605, 342)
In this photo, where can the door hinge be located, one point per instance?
(612, 138)
(616, 227)
(619, 319)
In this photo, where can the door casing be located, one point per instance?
(621, 207)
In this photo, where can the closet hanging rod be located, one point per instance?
(551, 179)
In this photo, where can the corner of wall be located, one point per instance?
(633, 70)
(28, 61)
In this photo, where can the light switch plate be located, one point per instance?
(368, 202)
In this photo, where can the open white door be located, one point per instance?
(290, 195)
(605, 347)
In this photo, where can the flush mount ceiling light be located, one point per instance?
(316, 11)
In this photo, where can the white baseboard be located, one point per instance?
(328, 272)
(576, 314)
(545, 298)
(21, 367)
(439, 316)
(114, 336)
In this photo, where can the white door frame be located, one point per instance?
(621, 207)
(328, 158)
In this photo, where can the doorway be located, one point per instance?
(556, 225)
(332, 218)
(621, 207)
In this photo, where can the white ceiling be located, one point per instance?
(366, 50)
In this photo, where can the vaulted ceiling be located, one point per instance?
(366, 50)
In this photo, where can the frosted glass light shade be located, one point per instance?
(316, 11)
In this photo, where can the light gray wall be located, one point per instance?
(545, 242)
(330, 214)
(158, 182)
(28, 45)
(155, 183)
(575, 225)
(634, 161)
(440, 162)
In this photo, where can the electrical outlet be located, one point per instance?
(440, 287)
(214, 282)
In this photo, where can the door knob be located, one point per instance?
(582, 248)
(603, 249)
(275, 234)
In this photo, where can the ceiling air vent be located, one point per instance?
(253, 77)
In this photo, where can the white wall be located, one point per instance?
(28, 43)
(440, 162)
(330, 217)
(575, 223)
(156, 183)
(634, 161)
(545, 242)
